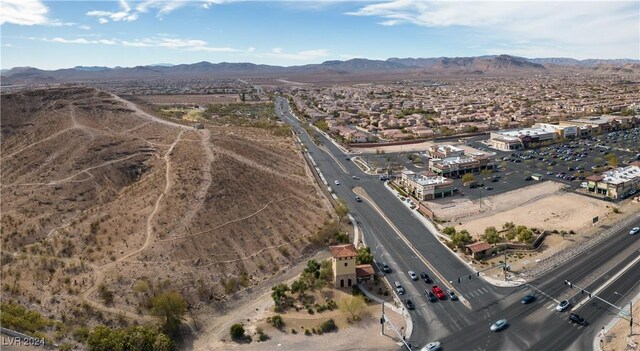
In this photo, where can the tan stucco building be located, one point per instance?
(343, 260)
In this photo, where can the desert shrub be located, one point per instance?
(277, 321)
(105, 294)
(307, 332)
(237, 331)
(16, 317)
(328, 326)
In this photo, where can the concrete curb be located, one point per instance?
(356, 231)
(433, 230)
(602, 333)
(401, 311)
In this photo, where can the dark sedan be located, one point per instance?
(527, 299)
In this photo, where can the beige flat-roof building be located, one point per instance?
(426, 185)
(617, 183)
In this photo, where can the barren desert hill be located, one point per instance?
(104, 205)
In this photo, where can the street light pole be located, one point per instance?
(630, 314)
(382, 319)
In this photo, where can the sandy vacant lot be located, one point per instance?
(362, 335)
(543, 205)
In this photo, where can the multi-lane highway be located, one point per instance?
(397, 237)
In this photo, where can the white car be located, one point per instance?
(499, 325)
(563, 305)
(432, 346)
(634, 230)
(336, 182)
(413, 275)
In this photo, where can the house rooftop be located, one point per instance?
(343, 251)
(364, 270)
(479, 247)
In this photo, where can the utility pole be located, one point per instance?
(505, 262)
(622, 312)
(630, 319)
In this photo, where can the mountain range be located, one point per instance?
(480, 65)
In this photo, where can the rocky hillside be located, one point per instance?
(104, 205)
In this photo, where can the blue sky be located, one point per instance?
(60, 34)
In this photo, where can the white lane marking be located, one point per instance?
(485, 290)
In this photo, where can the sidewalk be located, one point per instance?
(401, 311)
(617, 327)
(432, 228)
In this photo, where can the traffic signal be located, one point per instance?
(478, 274)
(589, 295)
(469, 277)
(458, 280)
(582, 291)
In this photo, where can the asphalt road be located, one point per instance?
(458, 327)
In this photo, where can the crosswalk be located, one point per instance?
(474, 293)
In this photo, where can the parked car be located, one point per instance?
(527, 299)
(428, 294)
(413, 275)
(563, 305)
(574, 318)
(432, 346)
(386, 268)
(438, 292)
(488, 188)
(409, 304)
(358, 199)
(399, 288)
(634, 230)
(426, 277)
(499, 325)
(452, 295)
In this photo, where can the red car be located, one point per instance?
(438, 292)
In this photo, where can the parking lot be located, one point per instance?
(569, 162)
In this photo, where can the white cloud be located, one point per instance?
(276, 50)
(23, 12)
(162, 42)
(251, 49)
(162, 7)
(583, 25)
(77, 41)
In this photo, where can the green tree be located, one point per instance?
(103, 338)
(525, 235)
(364, 256)
(326, 271)
(461, 238)
(298, 286)
(449, 231)
(353, 305)
(612, 160)
(170, 307)
(467, 178)
(486, 173)
(279, 295)
(341, 210)
(508, 226)
(237, 331)
(491, 235)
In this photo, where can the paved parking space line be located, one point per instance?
(550, 306)
(485, 290)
